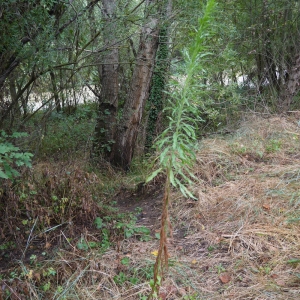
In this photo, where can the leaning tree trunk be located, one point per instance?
(156, 96)
(108, 102)
(291, 87)
(138, 92)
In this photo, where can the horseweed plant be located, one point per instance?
(176, 145)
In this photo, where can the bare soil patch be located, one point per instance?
(147, 203)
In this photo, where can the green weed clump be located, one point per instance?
(64, 135)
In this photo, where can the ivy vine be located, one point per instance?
(155, 100)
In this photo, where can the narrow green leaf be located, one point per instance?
(172, 178)
(153, 175)
(3, 175)
(164, 155)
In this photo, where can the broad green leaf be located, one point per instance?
(3, 175)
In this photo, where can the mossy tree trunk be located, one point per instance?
(157, 88)
(139, 88)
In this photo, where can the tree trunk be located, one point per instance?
(157, 96)
(55, 92)
(157, 89)
(292, 86)
(260, 70)
(138, 92)
(108, 101)
(270, 65)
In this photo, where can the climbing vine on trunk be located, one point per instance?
(158, 85)
(127, 131)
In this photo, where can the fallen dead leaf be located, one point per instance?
(280, 282)
(37, 276)
(25, 290)
(225, 277)
(182, 292)
(47, 245)
(171, 289)
(30, 274)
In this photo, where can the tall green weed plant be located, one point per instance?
(177, 143)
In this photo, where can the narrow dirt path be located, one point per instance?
(145, 205)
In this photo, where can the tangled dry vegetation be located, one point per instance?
(240, 240)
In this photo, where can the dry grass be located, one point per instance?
(248, 194)
(238, 241)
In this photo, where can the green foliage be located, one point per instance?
(68, 134)
(7, 245)
(120, 278)
(126, 225)
(20, 18)
(134, 274)
(294, 261)
(214, 85)
(130, 229)
(125, 261)
(191, 297)
(121, 225)
(177, 143)
(49, 272)
(273, 146)
(82, 244)
(11, 156)
(156, 96)
(32, 259)
(46, 287)
(99, 223)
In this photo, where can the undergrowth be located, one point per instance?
(63, 204)
(65, 236)
(64, 134)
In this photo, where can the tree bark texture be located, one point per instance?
(138, 92)
(108, 102)
(292, 86)
(161, 68)
(55, 91)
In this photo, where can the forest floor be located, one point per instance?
(239, 240)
